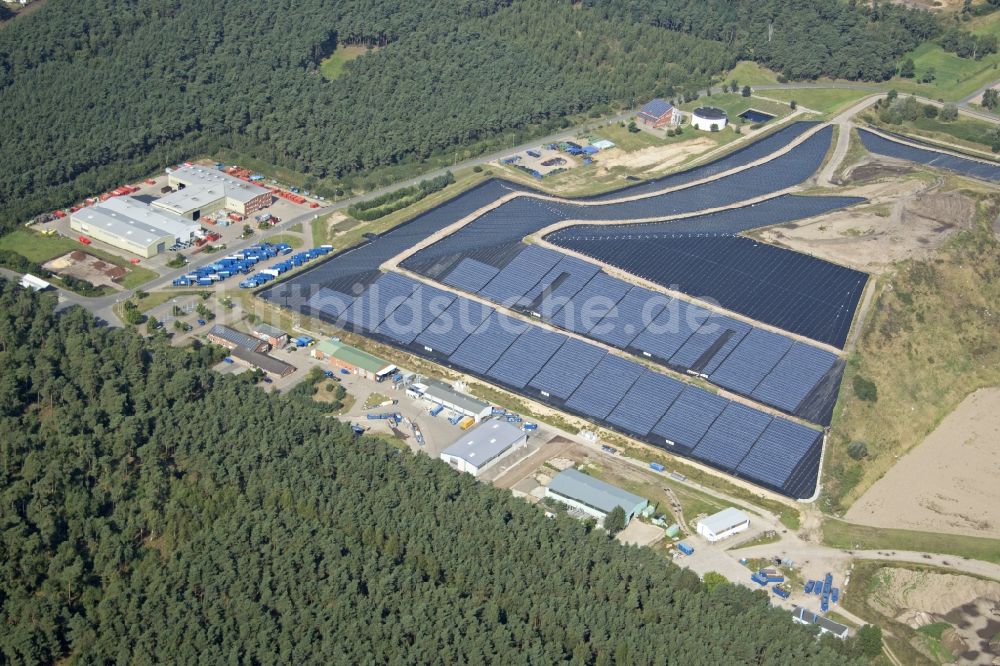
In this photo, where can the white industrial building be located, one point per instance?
(203, 190)
(593, 496)
(723, 524)
(484, 446)
(131, 225)
(709, 119)
(826, 625)
(29, 281)
(439, 393)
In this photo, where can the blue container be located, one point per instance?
(686, 549)
(657, 467)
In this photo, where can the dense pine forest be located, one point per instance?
(98, 92)
(153, 512)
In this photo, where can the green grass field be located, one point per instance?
(846, 536)
(734, 104)
(39, 249)
(824, 100)
(333, 66)
(628, 141)
(748, 73)
(291, 239)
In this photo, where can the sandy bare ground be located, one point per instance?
(906, 220)
(949, 482)
(657, 157)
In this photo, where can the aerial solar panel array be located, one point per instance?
(934, 158)
(579, 377)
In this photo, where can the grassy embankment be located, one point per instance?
(932, 338)
(965, 132)
(291, 239)
(40, 249)
(828, 101)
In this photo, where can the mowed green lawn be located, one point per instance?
(333, 66)
(748, 73)
(824, 100)
(734, 104)
(39, 249)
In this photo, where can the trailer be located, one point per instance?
(827, 584)
(657, 467)
(810, 584)
(467, 423)
(455, 419)
(835, 595)
(182, 282)
(781, 592)
(436, 409)
(684, 548)
(757, 578)
(499, 410)
(530, 426)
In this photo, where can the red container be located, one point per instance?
(84, 240)
(60, 214)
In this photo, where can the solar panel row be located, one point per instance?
(934, 158)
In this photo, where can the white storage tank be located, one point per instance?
(709, 119)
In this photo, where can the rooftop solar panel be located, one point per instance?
(591, 303)
(731, 436)
(689, 418)
(780, 448)
(605, 386)
(794, 377)
(646, 402)
(526, 356)
(484, 346)
(750, 362)
(567, 369)
(454, 325)
(629, 317)
(520, 275)
(415, 314)
(470, 275)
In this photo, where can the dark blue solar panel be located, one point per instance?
(520, 275)
(646, 403)
(526, 356)
(328, 304)
(470, 275)
(383, 296)
(567, 368)
(559, 285)
(636, 310)
(781, 447)
(750, 362)
(969, 167)
(484, 346)
(687, 420)
(605, 386)
(415, 314)
(795, 375)
(591, 303)
(729, 439)
(708, 338)
(737, 331)
(675, 324)
(447, 332)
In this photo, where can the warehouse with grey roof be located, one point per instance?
(593, 496)
(202, 190)
(484, 446)
(131, 225)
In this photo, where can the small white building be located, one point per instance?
(709, 119)
(439, 393)
(723, 524)
(826, 625)
(29, 281)
(484, 446)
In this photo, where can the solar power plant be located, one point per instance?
(590, 304)
(645, 403)
(415, 314)
(779, 210)
(470, 275)
(672, 327)
(327, 304)
(751, 153)
(751, 361)
(520, 275)
(484, 346)
(453, 326)
(526, 356)
(689, 418)
(382, 297)
(731, 436)
(783, 451)
(567, 368)
(629, 317)
(792, 291)
(716, 336)
(605, 386)
(559, 285)
(794, 377)
(968, 167)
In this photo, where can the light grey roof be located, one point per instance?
(264, 362)
(439, 391)
(190, 198)
(485, 442)
(269, 331)
(132, 220)
(202, 177)
(602, 496)
(808, 616)
(235, 337)
(723, 520)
